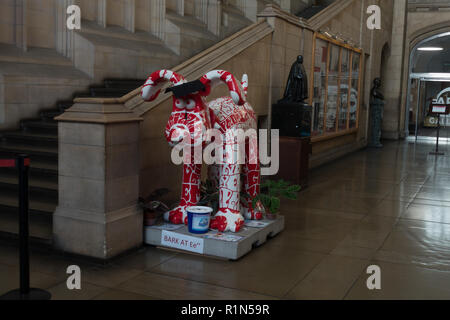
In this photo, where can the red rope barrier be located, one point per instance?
(7, 163)
(11, 163)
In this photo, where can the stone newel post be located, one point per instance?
(97, 215)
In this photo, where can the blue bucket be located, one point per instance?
(199, 219)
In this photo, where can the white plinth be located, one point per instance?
(226, 245)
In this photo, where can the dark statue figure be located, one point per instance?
(375, 92)
(292, 115)
(376, 111)
(297, 85)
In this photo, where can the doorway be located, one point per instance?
(429, 74)
(422, 124)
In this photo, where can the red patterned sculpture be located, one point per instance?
(225, 114)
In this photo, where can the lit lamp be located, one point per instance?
(430, 49)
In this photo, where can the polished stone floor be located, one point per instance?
(387, 207)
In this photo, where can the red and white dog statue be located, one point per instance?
(224, 114)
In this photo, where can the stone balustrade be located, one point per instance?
(428, 5)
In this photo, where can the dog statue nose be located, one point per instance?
(176, 135)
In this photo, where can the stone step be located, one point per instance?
(188, 20)
(38, 169)
(50, 114)
(236, 20)
(64, 105)
(108, 92)
(39, 188)
(33, 55)
(39, 126)
(190, 26)
(65, 75)
(40, 153)
(40, 226)
(124, 83)
(118, 33)
(311, 11)
(230, 9)
(140, 48)
(45, 207)
(25, 137)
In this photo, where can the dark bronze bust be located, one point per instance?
(376, 92)
(297, 85)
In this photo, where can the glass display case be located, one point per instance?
(333, 90)
(344, 85)
(319, 87)
(336, 84)
(354, 98)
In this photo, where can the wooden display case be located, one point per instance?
(294, 160)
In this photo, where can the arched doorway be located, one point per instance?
(429, 73)
(385, 53)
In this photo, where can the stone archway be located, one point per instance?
(385, 53)
(414, 40)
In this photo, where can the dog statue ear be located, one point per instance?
(216, 77)
(156, 81)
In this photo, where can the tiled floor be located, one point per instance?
(387, 207)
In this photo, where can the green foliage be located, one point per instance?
(271, 191)
(209, 195)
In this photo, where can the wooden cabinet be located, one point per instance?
(294, 160)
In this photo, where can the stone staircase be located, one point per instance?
(311, 11)
(235, 20)
(101, 52)
(39, 139)
(317, 7)
(190, 35)
(108, 51)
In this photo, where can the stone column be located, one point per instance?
(101, 13)
(180, 7)
(240, 4)
(21, 24)
(393, 82)
(201, 10)
(64, 36)
(249, 8)
(214, 16)
(158, 18)
(97, 214)
(129, 15)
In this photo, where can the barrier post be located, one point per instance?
(437, 152)
(23, 225)
(22, 164)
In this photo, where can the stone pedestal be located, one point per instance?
(292, 119)
(226, 245)
(98, 215)
(376, 115)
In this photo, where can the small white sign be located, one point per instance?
(439, 109)
(182, 242)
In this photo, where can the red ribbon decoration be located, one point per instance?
(11, 163)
